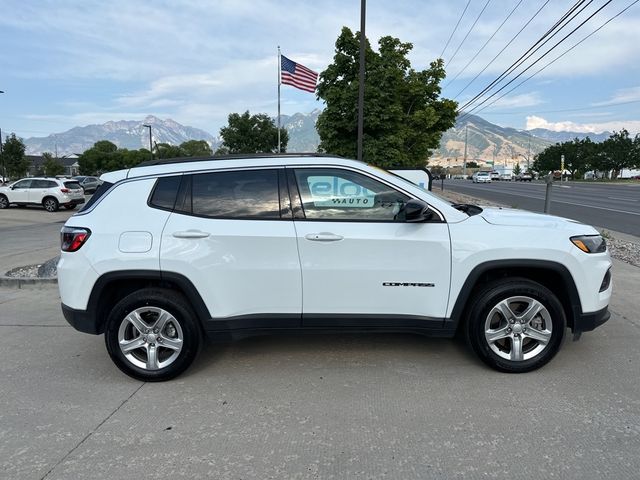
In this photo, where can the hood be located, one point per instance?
(521, 218)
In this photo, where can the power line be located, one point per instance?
(567, 18)
(503, 49)
(562, 55)
(455, 28)
(540, 58)
(485, 43)
(577, 109)
(470, 30)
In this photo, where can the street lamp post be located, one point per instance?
(150, 141)
(4, 171)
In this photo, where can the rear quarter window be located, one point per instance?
(101, 190)
(165, 192)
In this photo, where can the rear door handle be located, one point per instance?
(191, 234)
(323, 237)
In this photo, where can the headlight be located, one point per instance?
(590, 243)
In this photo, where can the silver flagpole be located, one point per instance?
(279, 67)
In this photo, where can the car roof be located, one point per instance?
(189, 164)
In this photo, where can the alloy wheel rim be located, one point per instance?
(3, 202)
(49, 205)
(518, 328)
(150, 338)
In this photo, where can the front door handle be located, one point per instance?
(323, 237)
(191, 234)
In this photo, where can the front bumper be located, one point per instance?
(585, 322)
(81, 320)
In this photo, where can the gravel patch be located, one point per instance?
(626, 250)
(47, 269)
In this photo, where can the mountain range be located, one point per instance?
(485, 140)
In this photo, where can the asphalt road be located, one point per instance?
(29, 235)
(611, 206)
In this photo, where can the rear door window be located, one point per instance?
(243, 194)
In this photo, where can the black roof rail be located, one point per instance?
(232, 156)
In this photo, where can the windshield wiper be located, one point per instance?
(467, 208)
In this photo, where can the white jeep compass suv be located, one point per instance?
(173, 250)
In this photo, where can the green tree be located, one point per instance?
(51, 166)
(404, 116)
(618, 152)
(196, 148)
(548, 160)
(13, 157)
(102, 157)
(166, 150)
(131, 158)
(252, 134)
(516, 169)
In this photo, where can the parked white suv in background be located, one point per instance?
(232, 247)
(49, 192)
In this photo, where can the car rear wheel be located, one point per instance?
(50, 204)
(515, 325)
(4, 201)
(152, 335)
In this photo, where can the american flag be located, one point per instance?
(299, 76)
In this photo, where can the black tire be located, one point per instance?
(4, 201)
(493, 353)
(173, 303)
(50, 204)
(69, 207)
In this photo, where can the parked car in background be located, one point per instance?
(495, 176)
(524, 177)
(506, 177)
(88, 184)
(481, 177)
(51, 193)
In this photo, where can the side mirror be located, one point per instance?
(415, 211)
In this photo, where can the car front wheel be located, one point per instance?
(152, 334)
(4, 202)
(515, 325)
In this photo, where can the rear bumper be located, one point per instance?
(585, 322)
(81, 320)
(75, 201)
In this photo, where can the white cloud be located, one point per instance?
(633, 126)
(623, 95)
(516, 101)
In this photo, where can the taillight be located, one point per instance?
(72, 238)
(64, 190)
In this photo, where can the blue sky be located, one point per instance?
(67, 63)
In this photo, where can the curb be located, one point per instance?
(22, 282)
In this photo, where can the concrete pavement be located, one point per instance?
(335, 406)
